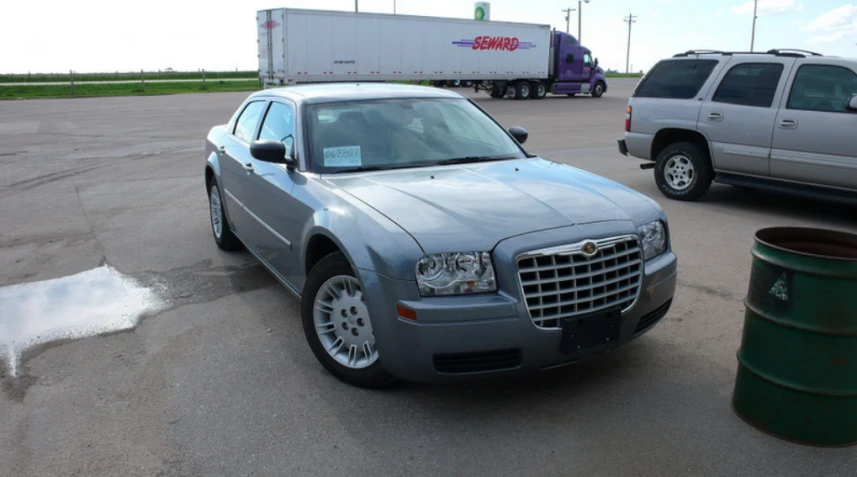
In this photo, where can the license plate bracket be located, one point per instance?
(593, 329)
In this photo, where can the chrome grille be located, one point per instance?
(564, 281)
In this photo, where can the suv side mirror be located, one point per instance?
(269, 150)
(852, 105)
(520, 134)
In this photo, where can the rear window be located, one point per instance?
(675, 79)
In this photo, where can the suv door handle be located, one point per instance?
(715, 116)
(787, 124)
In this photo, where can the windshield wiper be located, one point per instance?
(471, 159)
(377, 168)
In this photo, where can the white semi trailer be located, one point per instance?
(520, 60)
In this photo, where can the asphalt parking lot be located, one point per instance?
(222, 382)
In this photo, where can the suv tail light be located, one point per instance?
(628, 119)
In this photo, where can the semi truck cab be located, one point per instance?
(572, 70)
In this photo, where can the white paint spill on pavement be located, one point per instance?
(89, 303)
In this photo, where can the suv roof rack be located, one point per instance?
(791, 52)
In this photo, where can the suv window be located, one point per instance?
(676, 79)
(279, 123)
(245, 126)
(750, 84)
(822, 88)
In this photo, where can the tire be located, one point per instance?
(220, 228)
(454, 83)
(522, 90)
(683, 171)
(598, 90)
(348, 316)
(498, 91)
(538, 90)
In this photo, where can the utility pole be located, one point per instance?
(630, 20)
(355, 5)
(753, 34)
(394, 7)
(580, 20)
(567, 18)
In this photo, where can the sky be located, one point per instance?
(99, 36)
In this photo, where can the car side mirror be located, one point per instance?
(520, 134)
(277, 152)
(852, 105)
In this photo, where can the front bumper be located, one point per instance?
(492, 334)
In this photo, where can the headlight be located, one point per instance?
(455, 274)
(654, 239)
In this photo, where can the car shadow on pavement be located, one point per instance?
(785, 205)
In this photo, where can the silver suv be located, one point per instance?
(781, 119)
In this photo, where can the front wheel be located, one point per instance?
(683, 171)
(598, 90)
(337, 324)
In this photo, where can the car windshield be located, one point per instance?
(398, 133)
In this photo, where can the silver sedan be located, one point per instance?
(424, 242)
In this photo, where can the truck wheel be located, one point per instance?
(522, 90)
(455, 83)
(683, 171)
(598, 90)
(538, 90)
(498, 91)
(337, 324)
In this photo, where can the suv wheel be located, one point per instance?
(683, 171)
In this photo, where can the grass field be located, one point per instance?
(37, 90)
(122, 89)
(125, 76)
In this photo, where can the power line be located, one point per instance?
(567, 18)
(629, 20)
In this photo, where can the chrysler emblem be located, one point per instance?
(589, 248)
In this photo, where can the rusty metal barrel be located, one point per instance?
(797, 363)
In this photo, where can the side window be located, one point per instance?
(569, 58)
(587, 59)
(750, 84)
(571, 40)
(279, 123)
(245, 126)
(675, 79)
(822, 88)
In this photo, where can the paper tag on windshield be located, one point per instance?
(345, 156)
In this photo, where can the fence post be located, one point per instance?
(71, 74)
(143, 81)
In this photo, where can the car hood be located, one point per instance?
(474, 206)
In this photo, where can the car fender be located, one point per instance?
(369, 240)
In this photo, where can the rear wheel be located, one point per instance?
(538, 90)
(683, 171)
(223, 236)
(337, 324)
(522, 90)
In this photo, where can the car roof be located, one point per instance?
(334, 92)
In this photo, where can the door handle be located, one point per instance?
(248, 167)
(715, 116)
(787, 124)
